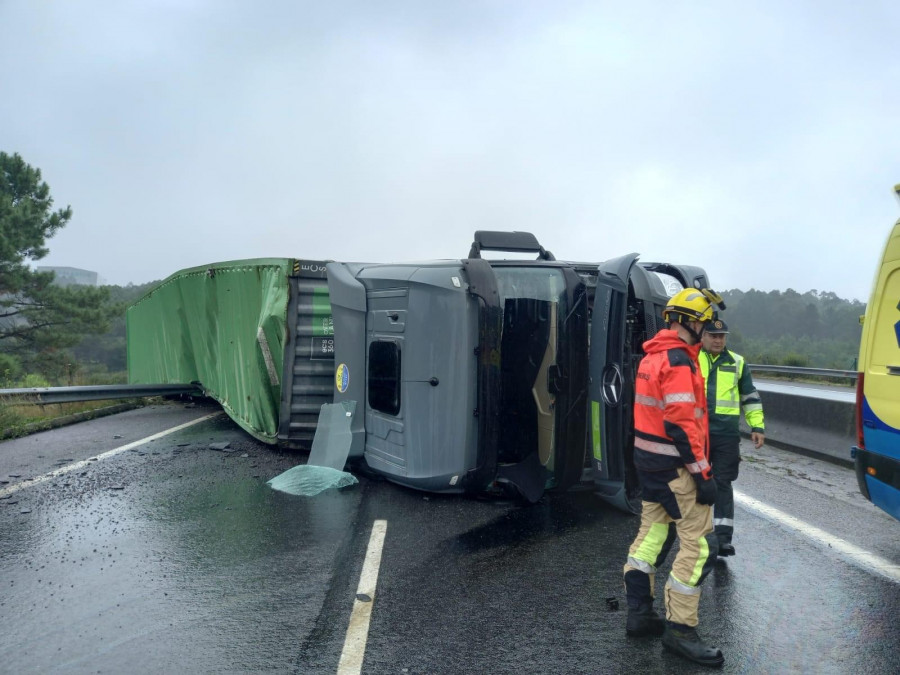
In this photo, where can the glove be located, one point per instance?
(706, 491)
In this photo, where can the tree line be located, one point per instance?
(814, 329)
(54, 335)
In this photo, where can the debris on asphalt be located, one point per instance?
(307, 480)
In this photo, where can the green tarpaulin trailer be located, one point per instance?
(455, 375)
(256, 334)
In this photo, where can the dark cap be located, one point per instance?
(717, 326)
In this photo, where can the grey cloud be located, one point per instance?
(757, 140)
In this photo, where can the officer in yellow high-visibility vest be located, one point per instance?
(729, 390)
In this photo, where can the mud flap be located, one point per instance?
(528, 476)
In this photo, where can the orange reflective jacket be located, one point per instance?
(670, 420)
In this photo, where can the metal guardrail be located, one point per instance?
(796, 370)
(45, 395)
(102, 392)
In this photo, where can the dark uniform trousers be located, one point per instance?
(725, 457)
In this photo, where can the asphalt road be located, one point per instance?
(174, 556)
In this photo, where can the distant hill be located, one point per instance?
(815, 329)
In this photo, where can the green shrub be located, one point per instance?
(99, 377)
(9, 420)
(795, 360)
(32, 380)
(10, 371)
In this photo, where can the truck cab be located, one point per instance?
(476, 375)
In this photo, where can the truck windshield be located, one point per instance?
(537, 283)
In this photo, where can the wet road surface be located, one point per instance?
(176, 557)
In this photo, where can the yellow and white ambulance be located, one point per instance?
(877, 454)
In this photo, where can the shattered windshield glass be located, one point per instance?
(669, 283)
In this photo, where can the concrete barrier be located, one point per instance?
(819, 423)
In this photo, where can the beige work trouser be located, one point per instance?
(696, 554)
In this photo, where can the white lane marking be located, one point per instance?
(358, 629)
(855, 554)
(109, 453)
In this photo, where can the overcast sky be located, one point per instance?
(759, 140)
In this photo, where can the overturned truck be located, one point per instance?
(463, 375)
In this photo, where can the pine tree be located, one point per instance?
(38, 321)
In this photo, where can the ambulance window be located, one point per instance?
(384, 377)
(885, 332)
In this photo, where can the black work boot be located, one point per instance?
(644, 621)
(726, 550)
(684, 641)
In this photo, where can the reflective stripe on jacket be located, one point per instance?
(670, 407)
(729, 389)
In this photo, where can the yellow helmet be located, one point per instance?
(692, 304)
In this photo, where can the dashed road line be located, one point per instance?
(856, 555)
(68, 468)
(358, 628)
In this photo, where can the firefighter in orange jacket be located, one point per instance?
(671, 454)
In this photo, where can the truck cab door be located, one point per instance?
(611, 387)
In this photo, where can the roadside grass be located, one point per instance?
(20, 416)
(23, 418)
